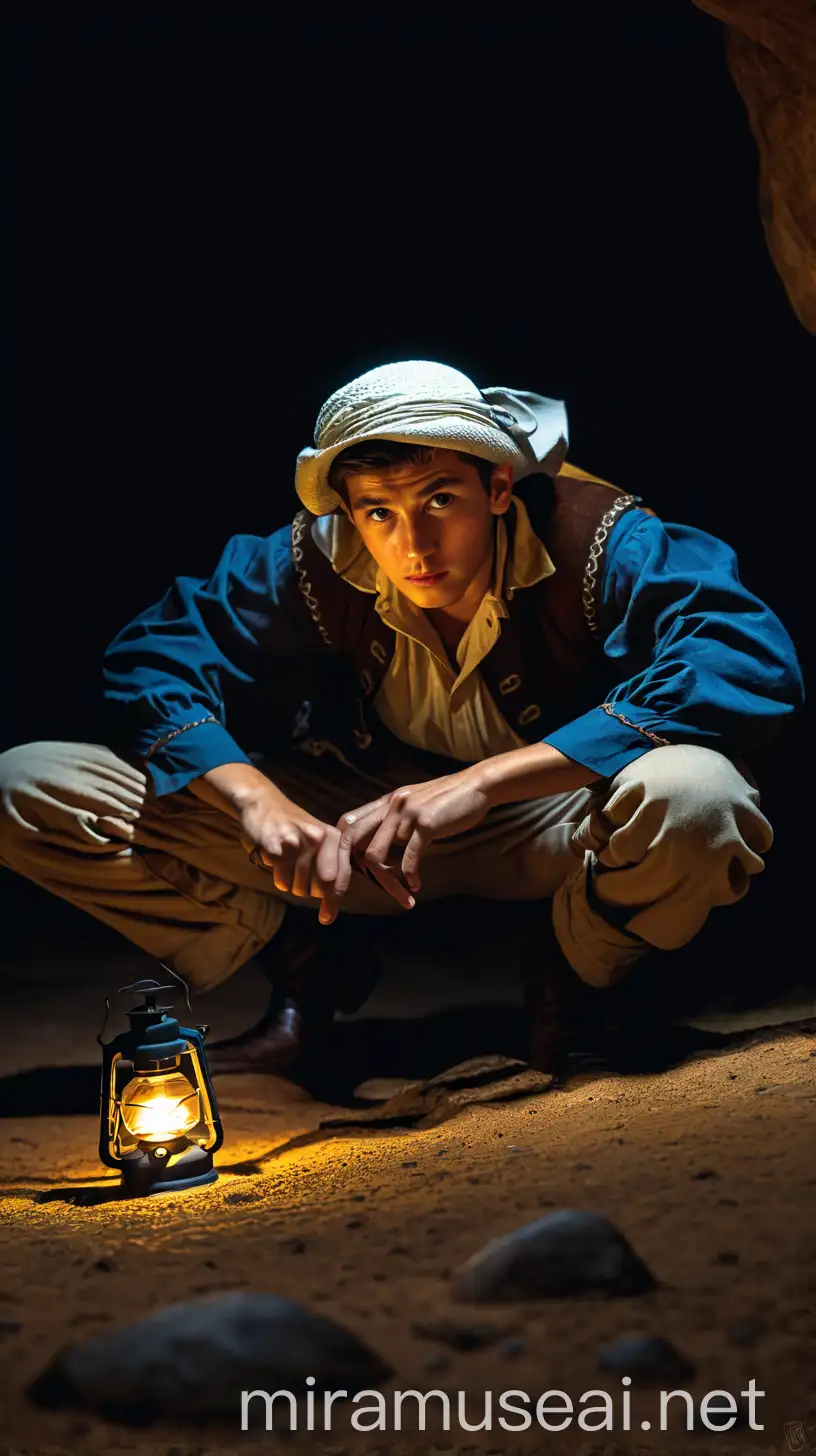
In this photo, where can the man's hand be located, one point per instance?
(301, 852)
(414, 815)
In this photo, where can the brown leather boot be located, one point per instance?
(315, 970)
(565, 1016)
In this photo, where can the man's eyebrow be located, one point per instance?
(369, 501)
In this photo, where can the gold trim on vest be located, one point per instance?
(299, 527)
(596, 550)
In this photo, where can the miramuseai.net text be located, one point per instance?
(509, 1410)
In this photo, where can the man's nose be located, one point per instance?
(420, 539)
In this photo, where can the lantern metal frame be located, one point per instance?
(156, 1045)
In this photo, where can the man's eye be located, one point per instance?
(444, 496)
(373, 513)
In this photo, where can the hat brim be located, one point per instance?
(447, 433)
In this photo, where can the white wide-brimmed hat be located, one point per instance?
(423, 403)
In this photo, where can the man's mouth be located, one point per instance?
(427, 578)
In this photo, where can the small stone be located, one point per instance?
(294, 1246)
(703, 1173)
(355, 1222)
(242, 1197)
(647, 1359)
(568, 1252)
(409, 1163)
(191, 1361)
(105, 1265)
(511, 1349)
(464, 1335)
(727, 1256)
(582, 1167)
(358, 1198)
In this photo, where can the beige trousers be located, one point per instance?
(636, 862)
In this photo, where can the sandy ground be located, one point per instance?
(708, 1169)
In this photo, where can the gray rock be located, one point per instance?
(567, 1252)
(191, 1361)
(648, 1359)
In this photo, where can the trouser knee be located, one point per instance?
(18, 777)
(685, 806)
(62, 793)
(676, 833)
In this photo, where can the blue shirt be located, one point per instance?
(223, 667)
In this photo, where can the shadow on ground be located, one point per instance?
(412, 1049)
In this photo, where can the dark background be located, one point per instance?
(223, 215)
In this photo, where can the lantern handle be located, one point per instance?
(138, 988)
(182, 983)
(101, 1031)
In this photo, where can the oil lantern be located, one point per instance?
(159, 1118)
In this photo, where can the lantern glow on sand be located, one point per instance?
(159, 1119)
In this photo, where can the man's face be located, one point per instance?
(430, 521)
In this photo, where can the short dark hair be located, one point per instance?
(386, 454)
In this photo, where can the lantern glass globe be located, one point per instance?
(157, 1108)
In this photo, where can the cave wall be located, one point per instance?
(771, 49)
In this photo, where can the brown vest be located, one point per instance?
(547, 665)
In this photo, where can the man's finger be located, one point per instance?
(386, 877)
(412, 856)
(376, 857)
(284, 868)
(355, 816)
(328, 867)
(302, 874)
(348, 858)
(266, 858)
(381, 842)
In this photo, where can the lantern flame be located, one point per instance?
(158, 1108)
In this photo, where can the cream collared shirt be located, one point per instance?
(422, 699)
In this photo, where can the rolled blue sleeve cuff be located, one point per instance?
(173, 761)
(603, 742)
